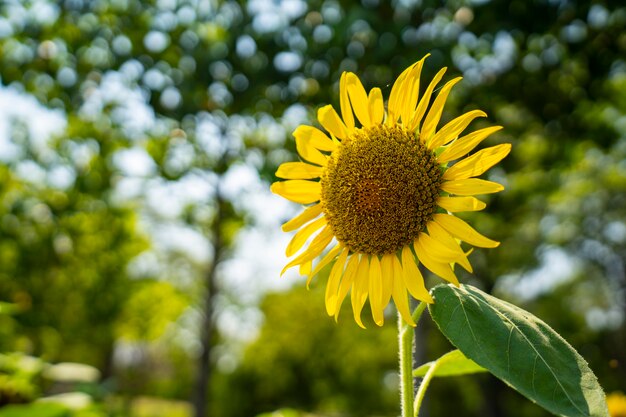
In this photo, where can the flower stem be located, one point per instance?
(423, 387)
(405, 347)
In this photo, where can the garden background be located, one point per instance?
(138, 235)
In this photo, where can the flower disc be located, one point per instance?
(380, 189)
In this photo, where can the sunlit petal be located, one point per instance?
(300, 238)
(332, 254)
(456, 204)
(400, 298)
(331, 121)
(398, 91)
(346, 108)
(437, 251)
(298, 171)
(413, 279)
(453, 128)
(298, 191)
(425, 101)
(464, 145)
(305, 268)
(314, 250)
(441, 235)
(471, 186)
(376, 291)
(434, 114)
(309, 152)
(315, 138)
(411, 89)
(347, 281)
(478, 163)
(358, 99)
(307, 215)
(332, 287)
(376, 106)
(458, 228)
(442, 270)
(386, 269)
(360, 288)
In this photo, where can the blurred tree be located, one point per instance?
(66, 250)
(303, 359)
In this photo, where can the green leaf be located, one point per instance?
(453, 363)
(35, 409)
(518, 348)
(7, 308)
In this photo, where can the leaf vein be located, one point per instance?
(534, 349)
(469, 325)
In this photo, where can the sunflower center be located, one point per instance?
(380, 189)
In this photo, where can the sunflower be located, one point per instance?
(380, 196)
(616, 402)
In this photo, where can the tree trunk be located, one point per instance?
(201, 387)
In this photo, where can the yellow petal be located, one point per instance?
(309, 152)
(396, 97)
(386, 269)
(441, 235)
(456, 204)
(329, 118)
(478, 163)
(437, 251)
(376, 106)
(360, 288)
(453, 128)
(471, 186)
(459, 229)
(399, 294)
(347, 281)
(413, 279)
(305, 268)
(464, 145)
(300, 238)
(434, 114)
(298, 191)
(315, 138)
(317, 246)
(298, 171)
(376, 291)
(307, 215)
(425, 101)
(322, 263)
(411, 89)
(332, 287)
(358, 99)
(442, 270)
(346, 109)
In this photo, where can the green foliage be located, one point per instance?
(36, 409)
(316, 364)
(282, 413)
(19, 378)
(149, 311)
(453, 363)
(519, 349)
(158, 407)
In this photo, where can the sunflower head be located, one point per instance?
(380, 189)
(381, 195)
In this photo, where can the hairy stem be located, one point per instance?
(405, 347)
